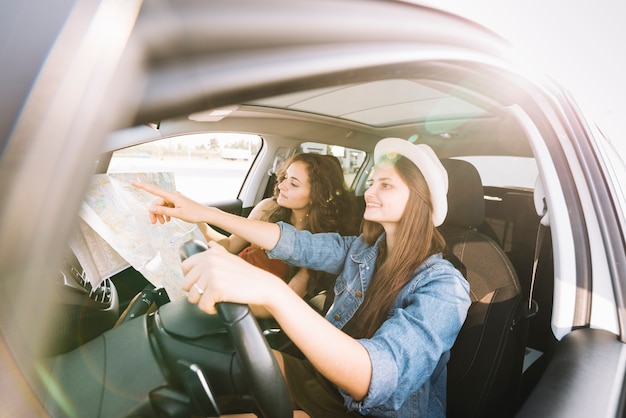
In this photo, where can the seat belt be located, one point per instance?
(544, 224)
(541, 232)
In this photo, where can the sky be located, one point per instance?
(579, 43)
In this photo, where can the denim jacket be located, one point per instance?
(409, 352)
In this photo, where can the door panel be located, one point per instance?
(585, 378)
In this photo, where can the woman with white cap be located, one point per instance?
(383, 347)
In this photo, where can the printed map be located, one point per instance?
(117, 231)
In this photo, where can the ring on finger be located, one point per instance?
(198, 288)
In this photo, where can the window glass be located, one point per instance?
(505, 171)
(351, 159)
(206, 167)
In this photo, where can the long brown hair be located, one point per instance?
(416, 239)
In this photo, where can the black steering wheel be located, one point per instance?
(259, 364)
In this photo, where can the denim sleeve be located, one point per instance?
(323, 251)
(407, 348)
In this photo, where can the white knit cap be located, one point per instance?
(429, 165)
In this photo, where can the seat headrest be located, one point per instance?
(466, 201)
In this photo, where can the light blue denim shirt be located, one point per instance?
(409, 352)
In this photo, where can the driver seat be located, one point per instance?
(486, 360)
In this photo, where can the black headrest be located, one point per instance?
(466, 202)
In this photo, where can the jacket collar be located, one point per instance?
(369, 253)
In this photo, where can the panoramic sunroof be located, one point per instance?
(379, 103)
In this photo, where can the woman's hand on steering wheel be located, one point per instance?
(216, 275)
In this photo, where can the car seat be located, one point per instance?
(486, 360)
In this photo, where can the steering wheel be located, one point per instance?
(259, 364)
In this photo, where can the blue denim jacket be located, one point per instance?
(409, 352)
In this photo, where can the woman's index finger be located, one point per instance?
(157, 191)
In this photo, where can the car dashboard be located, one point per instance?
(84, 311)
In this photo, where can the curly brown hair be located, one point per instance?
(332, 209)
(332, 203)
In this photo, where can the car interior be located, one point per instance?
(491, 227)
(215, 121)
